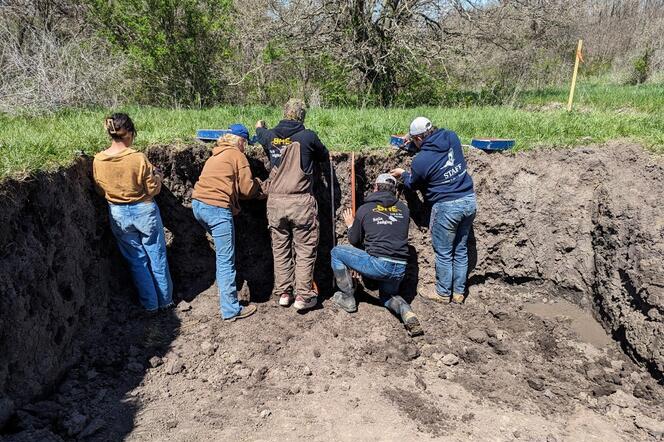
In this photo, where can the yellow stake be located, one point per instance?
(576, 70)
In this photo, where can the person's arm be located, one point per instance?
(413, 180)
(262, 133)
(247, 185)
(152, 177)
(320, 152)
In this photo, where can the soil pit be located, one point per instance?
(582, 229)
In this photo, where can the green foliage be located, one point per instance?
(606, 112)
(176, 47)
(334, 84)
(273, 52)
(641, 66)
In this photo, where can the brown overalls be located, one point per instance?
(292, 215)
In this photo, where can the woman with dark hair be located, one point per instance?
(128, 181)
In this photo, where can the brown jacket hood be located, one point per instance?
(226, 178)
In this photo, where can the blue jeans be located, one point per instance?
(140, 235)
(218, 221)
(387, 273)
(450, 226)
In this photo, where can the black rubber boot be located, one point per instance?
(399, 306)
(345, 297)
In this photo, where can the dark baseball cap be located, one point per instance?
(240, 130)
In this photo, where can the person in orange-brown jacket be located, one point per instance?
(226, 178)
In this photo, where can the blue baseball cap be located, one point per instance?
(240, 130)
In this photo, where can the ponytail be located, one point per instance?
(119, 125)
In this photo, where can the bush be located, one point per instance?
(45, 68)
(175, 49)
(641, 68)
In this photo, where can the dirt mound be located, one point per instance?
(579, 231)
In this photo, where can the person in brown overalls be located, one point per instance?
(292, 212)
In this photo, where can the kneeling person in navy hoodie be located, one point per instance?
(381, 226)
(439, 172)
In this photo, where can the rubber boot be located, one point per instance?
(345, 296)
(399, 306)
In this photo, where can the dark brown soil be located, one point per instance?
(584, 226)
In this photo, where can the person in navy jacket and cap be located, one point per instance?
(440, 173)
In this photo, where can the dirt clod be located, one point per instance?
(646, 390)
(74, 424)
(536, 384)
(174, 366)
(477, 335)
(499, 347)
(155, 361)
(450, 359)
(654, 427)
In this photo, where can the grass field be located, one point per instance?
(538, 119)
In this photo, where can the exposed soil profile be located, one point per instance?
(581, 231)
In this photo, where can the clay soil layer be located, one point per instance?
(565, 242)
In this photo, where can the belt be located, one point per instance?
(395, 261)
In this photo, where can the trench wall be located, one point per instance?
(583, 224)
(59, 270)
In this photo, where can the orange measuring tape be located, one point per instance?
(352, 181)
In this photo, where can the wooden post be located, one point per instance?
(352, 182)
(576, 70)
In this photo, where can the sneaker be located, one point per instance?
(457, 298)
(345, 302)
(302, 303)
(285, 299)
(412, 324)
(245, 312)
(432, 295)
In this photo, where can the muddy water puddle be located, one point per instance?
(582, 322)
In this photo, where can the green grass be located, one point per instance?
(648, 98)
(605, 113)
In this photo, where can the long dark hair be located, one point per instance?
(119, 125)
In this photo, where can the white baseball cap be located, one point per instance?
(419, 126)
(386, 178)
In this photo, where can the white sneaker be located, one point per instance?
(285, 299)
(301, 303)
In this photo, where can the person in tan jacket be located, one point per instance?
(128, 181)
(226, 178)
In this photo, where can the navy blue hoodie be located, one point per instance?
(311, 148)
(439, 170)
(381, 225)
